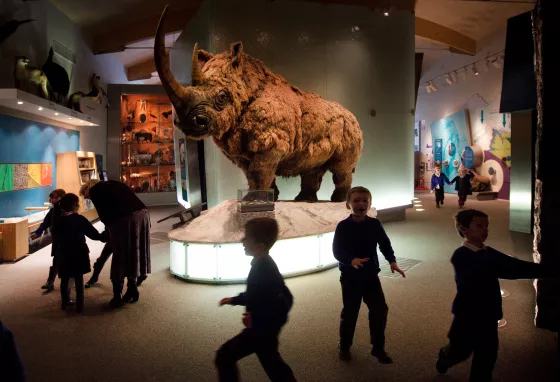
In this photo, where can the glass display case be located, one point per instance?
(255, 200)
(147, 151)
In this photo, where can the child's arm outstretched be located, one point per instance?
(510, 268)
(89, 230)
(387, 250)
(240, 299)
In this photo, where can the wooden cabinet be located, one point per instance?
(73, 169)
(14, 239)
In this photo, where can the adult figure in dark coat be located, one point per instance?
(128, 222)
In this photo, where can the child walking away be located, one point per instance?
(70, 229)
(477, 307)
(267, 301)
(355, 247)
(463, 184)
(46, 224)
(437, 184)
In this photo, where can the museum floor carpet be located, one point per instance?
(172, 333)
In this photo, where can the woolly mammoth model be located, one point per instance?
(260, 122)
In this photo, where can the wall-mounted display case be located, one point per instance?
(147, 159)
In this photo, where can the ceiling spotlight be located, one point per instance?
(449, 79)
(386, 13)
(433, 86)
(497, 62)
(464, 74)
(428, 88)
(20, 102)
(91, 124)
(69, 118)
(55, 113)
(475, 70)
(40, 108)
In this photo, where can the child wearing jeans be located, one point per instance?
(355, 247)
(70, 230)
(267, 301)
(437, 184)
(477, 307)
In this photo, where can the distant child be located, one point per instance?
(478, 304)
(46, 224)
(70, 230)
(463, 184)
(355, 247)
(437, 184)
(267, 302)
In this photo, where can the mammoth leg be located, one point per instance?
(276, 190)
(342, 183)
(310, 184)
(261, 175)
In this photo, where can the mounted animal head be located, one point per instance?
(221, 86)
(22, 61)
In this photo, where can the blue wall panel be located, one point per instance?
(23, 141)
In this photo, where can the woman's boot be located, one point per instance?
(132, 293)
(94, 277)
(49, 285)
(117, 301)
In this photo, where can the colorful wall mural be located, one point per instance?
(454, 133)
(22, 176)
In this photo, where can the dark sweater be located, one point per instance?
(47, 222)
(11, 368)
(73, 253)
(476, 275)
(113, 201)
(267, 298)
(463, 185)
(360, 239)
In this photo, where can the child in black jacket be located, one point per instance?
(70, 230)
(477, 308)
(355, 247)
(46, 224)
(267, 301)
(463, 184)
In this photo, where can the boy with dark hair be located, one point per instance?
(46, 224)
(267, 301)
(355, 247)
(477, 307)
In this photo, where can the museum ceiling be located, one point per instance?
(442, 26)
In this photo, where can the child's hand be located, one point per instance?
(431, 191)
(395, 267)
(359, 263)
(247, 320)
(33, 236)
(225, 301)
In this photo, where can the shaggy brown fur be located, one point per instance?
(261, 123)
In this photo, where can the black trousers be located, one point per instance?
(102, 259)
(246, 343)
(440, 195)
(478, 339)
(353, 292)
(65, 291)
(462, 199)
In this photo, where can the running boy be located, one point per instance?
(267, 301)
(478, 304)
(355, 247)
(463, 184)
(437, 184)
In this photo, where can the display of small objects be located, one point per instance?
(255, 200)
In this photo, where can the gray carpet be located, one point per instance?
(172, 333)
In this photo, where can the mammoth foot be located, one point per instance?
(306, 196)
(339, 195)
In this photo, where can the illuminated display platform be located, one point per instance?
(209, 249)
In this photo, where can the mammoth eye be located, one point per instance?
(221, 100)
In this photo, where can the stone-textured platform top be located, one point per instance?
(296, 219)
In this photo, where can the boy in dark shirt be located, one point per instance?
(437, 184)
(355, 247)
(477, 307)
(267, 301)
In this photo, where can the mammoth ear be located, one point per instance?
(236, 52)
(204, 57)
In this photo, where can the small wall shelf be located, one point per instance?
(29, 103)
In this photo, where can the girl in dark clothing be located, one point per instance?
(70, 230)
(46, 224)
(463, 185)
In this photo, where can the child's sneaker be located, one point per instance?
(381, 356)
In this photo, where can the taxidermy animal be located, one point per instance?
(261, 123)
(166, 114)
(96, 93)
(29, 78)
(143, 136)
(9, 28)
(58, 79)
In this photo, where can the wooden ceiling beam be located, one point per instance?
(141, 70)
(437, 33)
(116, 39)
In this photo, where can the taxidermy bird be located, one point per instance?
(58, 79)
(29, 78)
(96, 93)
(9, 28)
